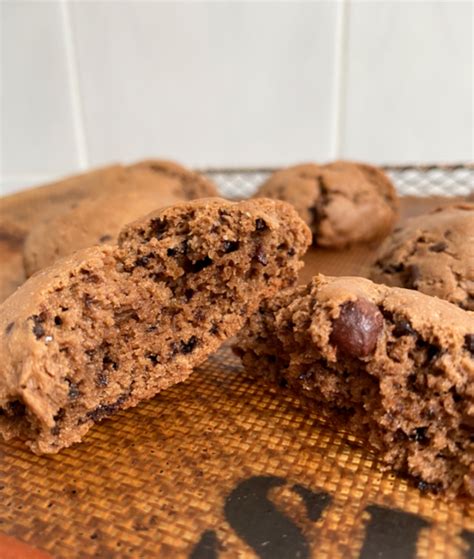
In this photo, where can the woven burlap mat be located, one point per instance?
(223, 466)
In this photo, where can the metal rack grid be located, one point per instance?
(414, 180)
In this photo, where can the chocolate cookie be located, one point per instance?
(433, 253)
(395, 365)
(342, 202)
(139, 189)
(27, 208)
(111, 325)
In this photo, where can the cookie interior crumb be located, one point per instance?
(398, 365)
(113, 325)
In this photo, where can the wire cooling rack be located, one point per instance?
(414, 180)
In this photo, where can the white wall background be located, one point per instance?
(232, 83)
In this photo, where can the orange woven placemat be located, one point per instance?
(223, 466)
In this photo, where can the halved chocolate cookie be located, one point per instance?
(398, 364)
(112, 325)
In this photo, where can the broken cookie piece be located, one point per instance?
(112, 325)
(342, 202)
(396, 364)
(433, 253)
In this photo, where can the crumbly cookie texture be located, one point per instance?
(137, 190)
(112, 325)
(433, 253)
(396, 366)
(342, 202)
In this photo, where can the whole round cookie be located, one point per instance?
(139, 189)
(342, 202)
(433, 253)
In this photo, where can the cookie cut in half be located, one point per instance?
(433, 253)
(342, 202)
(390, 364)
(135, 191)
(112, 325)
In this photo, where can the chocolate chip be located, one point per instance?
(432, 353)
(403, 328)
(438, 247)
(142, 261)
(392, 268)
(291, 251)
(73, 392)
(282, 382)
(199, 315)
(260, 225)
(413, 276)
(181, 249)
(416, 383)
(153, 357)
(426, 487)
(15, 408)
(399, 436)
(158, 227)
(315, 216)
(214, 329)
(456, 397)
(102, 379)
(195, 267)
(260, 255)
(105, 238)
(105, 410)
(58, 320)
(305, 376)
(188, 347)
(357, 328)
(231, 246)
(60, 415)
(9, 328)
(469, 342)
(419, 435)
(109, 362)
(38, 328)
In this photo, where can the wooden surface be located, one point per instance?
(221, 466)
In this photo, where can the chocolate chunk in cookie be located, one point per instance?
(112, 325)
(356, 329)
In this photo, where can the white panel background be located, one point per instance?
(36, 133)
(409, 81)
(232, 83)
